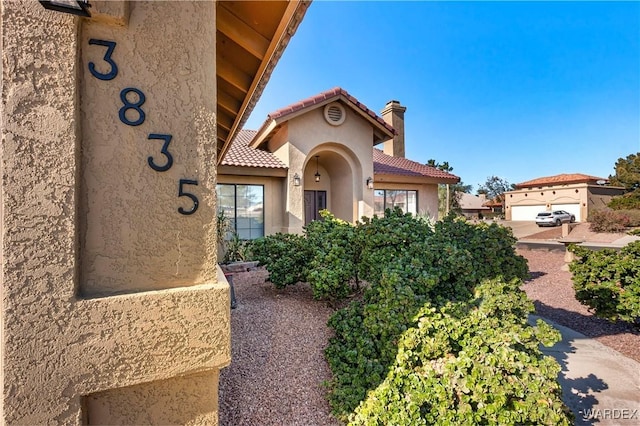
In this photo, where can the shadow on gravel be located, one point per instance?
(589, 325)
(535, 274)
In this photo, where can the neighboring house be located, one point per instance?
(496, 205)
(320, 153)
(576, 193)
(473, 206)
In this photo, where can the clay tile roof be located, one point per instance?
(329, 94)
(562, 179)
(472, 202)
(387, 165)
(240, 154)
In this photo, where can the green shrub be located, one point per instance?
(425, 343)
(608, 282)
(335, 256)
(386, 238)
(633, 217)
(285, 256)
(628, 201)
(608, 221)
(407, 265)
(471, 363)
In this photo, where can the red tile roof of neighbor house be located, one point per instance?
(387, 165)
(562, 179)
(240, 154)
(472, 202)
(321, 97)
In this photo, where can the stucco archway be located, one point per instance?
(340, 175)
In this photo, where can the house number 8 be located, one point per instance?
(132, 114)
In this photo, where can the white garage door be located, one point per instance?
(526, 212)
(574, 209)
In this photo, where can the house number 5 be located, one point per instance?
(132, 114)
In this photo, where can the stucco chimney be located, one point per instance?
(393, 113)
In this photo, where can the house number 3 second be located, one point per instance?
(132, 114)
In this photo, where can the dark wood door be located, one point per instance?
(314, 201)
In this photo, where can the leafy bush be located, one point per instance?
(408, 264)
(426, 343)
(628, 201)
(284, 255)
(469, 363)
(633, 217)
(608, 221)
(608, 282)
(386, 238)
(335, 254)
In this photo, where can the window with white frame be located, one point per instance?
(406, 200)
(243, 205)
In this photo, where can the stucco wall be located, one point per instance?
(85, 216)
(586, 196)
(345, 161)
(122, 249)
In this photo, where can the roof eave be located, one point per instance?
(380, 132)
(252, 171)
(397, 178)
(264, 133)
(289, 21)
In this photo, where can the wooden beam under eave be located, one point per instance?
(232, 75)
(241, 33)
(225, 120)
(291, 17)
(228, 102)
(222, 134)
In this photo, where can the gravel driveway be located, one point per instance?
(278, 338)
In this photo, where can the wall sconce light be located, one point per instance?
(75, 7)
(296, 180)
(370, 183)
(317, 175)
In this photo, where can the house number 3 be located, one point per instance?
(132, 114)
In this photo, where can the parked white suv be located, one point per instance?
(554, 218)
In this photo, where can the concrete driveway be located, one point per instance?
(521, 229)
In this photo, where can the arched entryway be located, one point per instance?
(330, 174)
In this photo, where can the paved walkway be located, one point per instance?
(600, 385)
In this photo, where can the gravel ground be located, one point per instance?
(277, 348)
(552, 292)
(278, 338)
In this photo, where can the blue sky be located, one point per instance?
(518, 90)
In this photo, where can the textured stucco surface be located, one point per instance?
(190, 400)
(66, 202)
(133, 236)
(345, 161)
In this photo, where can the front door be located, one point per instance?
(314, 201)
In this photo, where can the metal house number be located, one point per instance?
(132, 114)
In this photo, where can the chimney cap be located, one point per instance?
(393, 106)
